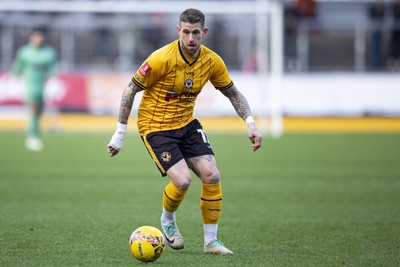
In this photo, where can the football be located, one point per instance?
(147, 243)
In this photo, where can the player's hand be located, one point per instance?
(117, 140)
(254, 135)
(112, 151)
(116, 143)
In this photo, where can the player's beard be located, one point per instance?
(191, 49)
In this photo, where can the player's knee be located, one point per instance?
(211, 177)
(183, 184)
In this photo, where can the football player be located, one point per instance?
(171, 79)
(35, 61)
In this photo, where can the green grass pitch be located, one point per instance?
(302, 200)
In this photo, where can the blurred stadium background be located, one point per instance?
(306, 199)
(318, 59)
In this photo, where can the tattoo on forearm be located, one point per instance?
(239, 102)
(127, 102)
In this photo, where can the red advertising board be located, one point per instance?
(66, 91)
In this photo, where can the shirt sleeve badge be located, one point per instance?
(145, 69)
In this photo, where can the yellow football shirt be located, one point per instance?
(171, 84)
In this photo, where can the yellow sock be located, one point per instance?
(211, 202)
(173, 197)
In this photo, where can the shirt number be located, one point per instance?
(203, 135)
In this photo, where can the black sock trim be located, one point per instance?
(210, 200)
(165, 193)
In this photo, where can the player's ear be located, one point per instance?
(178, 29)
(205, 31)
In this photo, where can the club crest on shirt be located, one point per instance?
(145, 69)
(166, 156)
(188, 84)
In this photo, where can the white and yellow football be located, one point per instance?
(147, 243)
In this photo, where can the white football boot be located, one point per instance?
(172, 235)
(216, 247)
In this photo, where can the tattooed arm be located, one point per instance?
(240, 104)
(117, 140)
(127, 102)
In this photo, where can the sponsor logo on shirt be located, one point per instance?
(171, 95)
(184, 96)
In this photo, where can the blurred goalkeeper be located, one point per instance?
(36, 62)
(171, 79)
